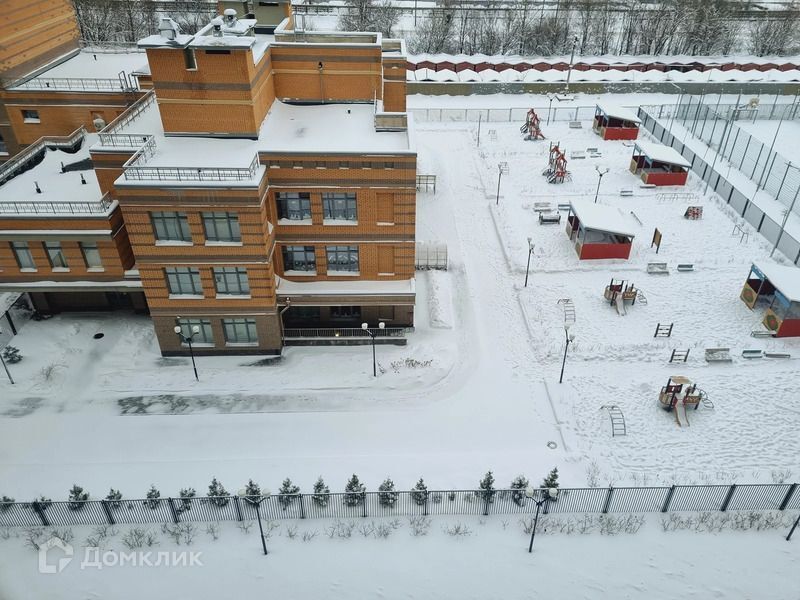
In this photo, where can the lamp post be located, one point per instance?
(528, 268)
(570, 338)
(550, 106)
(548, 494)
(257, 501)
(571, 57)
(502, 169)
(187, 339)
(372, 334)
(600, 172)
(5, 366)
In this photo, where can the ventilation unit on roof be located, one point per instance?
(216, 31)
(230, 16)
(168, 28)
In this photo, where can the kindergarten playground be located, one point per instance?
(655, 320)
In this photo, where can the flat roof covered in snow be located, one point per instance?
(618, 112)
(402, 287)
(785, 279)
(661, 153)
(88, 64)
(599, 217)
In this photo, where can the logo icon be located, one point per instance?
(48, 552)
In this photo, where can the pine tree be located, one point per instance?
(153, 498)
(519, 485)
(354, 492)
(11, 354)
(551, 481)
(217, 494)
(185, 495)
(252, 492)
(321, 493)
(77, 497)
(5, 503)
(288, 493)
(41, 503)
(387, 496)
(420, 493)
(114, 497)
(487, 487)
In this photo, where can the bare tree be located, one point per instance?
(771, 35)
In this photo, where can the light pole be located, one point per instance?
(502, 169)
(600, 172)
(550, 106)
(372, 334)
(5, 366)
(257, 500)
(187, 339)
(570, 338)
(547, 494)
(528, 268)
(571, 57)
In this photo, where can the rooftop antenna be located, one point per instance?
(38, 189)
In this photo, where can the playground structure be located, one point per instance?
(777, 288)
(598, 231)
(532, 127)
(613, 122)
(657, 164)
(678, 394)
(618, 292)
(556, 171)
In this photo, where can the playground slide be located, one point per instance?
(619, 302)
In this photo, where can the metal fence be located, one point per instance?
(502, 115)
(309, 333)
(46, 207)
(340, 505)
(430, 255)
(772, 230)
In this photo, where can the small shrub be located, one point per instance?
(321, 494)
(6, 502)
(252, 492)
(518, 487)
(153, 498)
(185, 496)
(419, 525)
(458, 530)
(212, 529)
(288, 493)
(114, 498)
(486, 486)
(49, 371)
(420, 493)
(11, 355)
(309, 535)
(217, 494)
(387, 496)
(41, 503)
(354, 492)
(245, 526)
(77, 497)
(139, 537)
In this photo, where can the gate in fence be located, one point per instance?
(430, 255)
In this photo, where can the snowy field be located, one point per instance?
(476, 388)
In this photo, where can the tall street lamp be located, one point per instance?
(546, 495)
(600, 172)
(5, 366)
(187, 339)
(502, 169)
(372, 333)
(570, 337)
(528, 268)
(257, 500)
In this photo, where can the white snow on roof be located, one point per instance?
(602, 59)
(336, 288)
(618, 112)
(786, 279)
(603, 218)
(55, 185)
(96, 65)
(662, 153)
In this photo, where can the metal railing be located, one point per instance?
(430, 255)
(502, 115)
(352, 505)
(85, 84)
(124, 140)
(47, 207)
(307, 333)
(135, 169)
(9, 168)
(130, 114)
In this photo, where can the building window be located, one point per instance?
(231, 280)
(3, 146)
(345, 313)
(222, 227)
(240, 331)
(91, 255)
(204, 336)
(171, 226)
(342, 258)
(295, 206)
(189, 59)
(55, 255)
(23, 255)
(299, 316)
(31, 116)
(339, 207)
(184, 281)
(299, 258)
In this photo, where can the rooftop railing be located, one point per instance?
(72, 84)
(137, 170)
(10, 168)
(133, 112)
(47, 207)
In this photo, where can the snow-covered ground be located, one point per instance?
(786, 141)
(467, 558)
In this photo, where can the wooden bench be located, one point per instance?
(592, 150)
(575, 125)
(542, 206)
(575, 154)
(760, 333)
(648, 186)
(547, 218)
(684, 267)
(657, 268)
(718, 355)
(626, 192)
(564, 206)
(777, 355)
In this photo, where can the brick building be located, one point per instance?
(264, 189)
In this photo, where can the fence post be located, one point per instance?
(37, 508)
(238, 508)
(107, 510)
(486, 504)
(668, 499)
(364, 502)
(728, 497)
(302, 507)
(607, 502)
(173, 511)
(785, 502)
